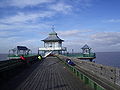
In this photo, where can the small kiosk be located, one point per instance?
(86, 49)
(52, 44)
(86, 53)
(18, 51)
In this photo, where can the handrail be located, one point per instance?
(84, 77)
(9, 64)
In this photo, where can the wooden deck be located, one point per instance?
(51, 74)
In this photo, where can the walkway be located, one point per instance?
(51, 74)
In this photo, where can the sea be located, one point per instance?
(105, 58)
(108, 58)
(3, 57)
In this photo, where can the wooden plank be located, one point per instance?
(52, 75)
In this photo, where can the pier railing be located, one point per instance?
(53, 48)
(9, 64)
(11, 56)
(104, 76)
(13, 63)
(81, 55)
(88, 81)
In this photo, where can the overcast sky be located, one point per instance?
(78, 22)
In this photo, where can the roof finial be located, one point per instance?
(53, 31)
(53, 27)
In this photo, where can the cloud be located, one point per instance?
(34, 18)
(33, 44)
(8, 42)
(106, 38)
(24, 27)
(12, 42)
(69, 32)
(6, 34)
(28, 42)
(61, 7)
(74, 33)
(23, 17)
(106, 41)
(101, 41)
(25, 21)
(23, 3)
(81, 4)
(112, 21)
(13, 28)
(75, 39)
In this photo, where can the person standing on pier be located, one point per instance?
(25, 60)
(39, 57)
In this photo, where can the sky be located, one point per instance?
(77, 22)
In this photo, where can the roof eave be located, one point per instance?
(52, 40)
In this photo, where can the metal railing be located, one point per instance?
(85, 78)
(52, 48)
(10, 64)
(81, 55)
(88, 81)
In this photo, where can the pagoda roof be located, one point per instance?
(52, 37)
(85, 47)
(22, 48)
(53, 33)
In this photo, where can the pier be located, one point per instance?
(53, 73)
(86, 54)
(50, 74)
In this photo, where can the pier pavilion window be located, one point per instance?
(50, 44)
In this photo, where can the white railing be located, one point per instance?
(48, 53)
(52, 48)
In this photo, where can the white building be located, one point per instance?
(86, 49)
(52, 44)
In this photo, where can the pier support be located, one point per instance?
(91, 60)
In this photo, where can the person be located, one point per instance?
(39, 57)
(70, 62)
(22, 57)
(24, 60)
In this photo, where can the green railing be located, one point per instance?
(88, 81)
(12, 55)
(10, 64)
(85, 78)
(81, 55)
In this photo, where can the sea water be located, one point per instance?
(108, 58)
(105, 58)
(3, 57)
